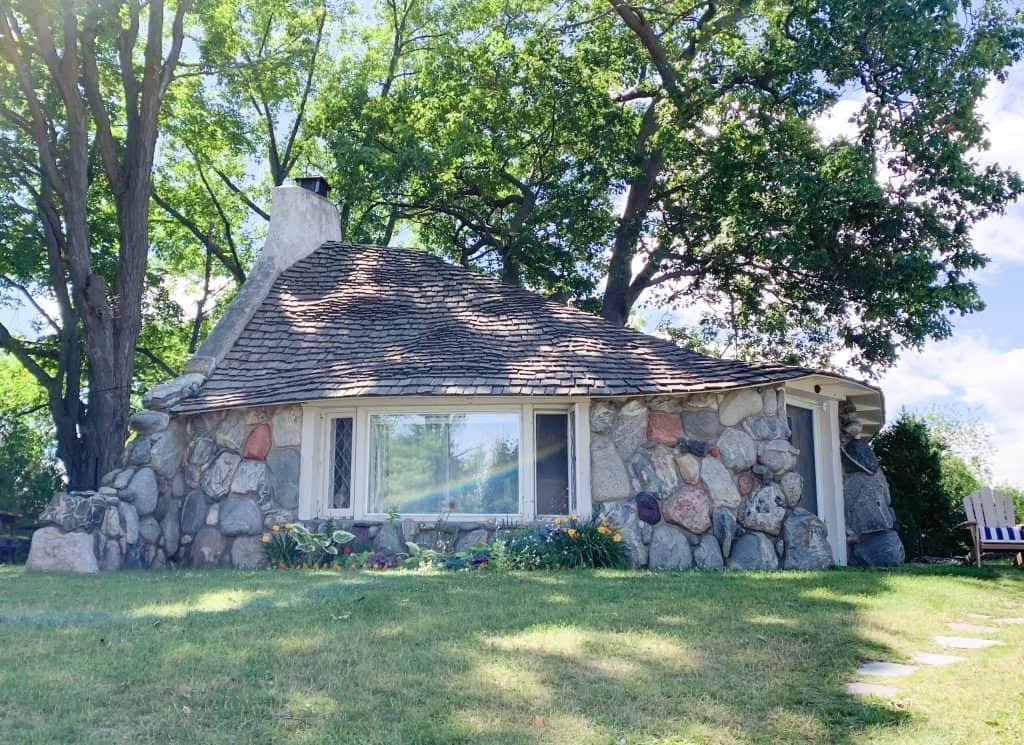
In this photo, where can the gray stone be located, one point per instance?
(792, 485)
(250, 477)
(53, 550)
(853, 427)
(240, 516)
(765, 510)
(164, 396)
(689, 507)
(146, 421)
(736, 450)
(778, 456)
(469, 538)
(806, 542)
(867, 503)
(218, 475)
(669, 549)
(410, 530)
(655, 468)
(142, 491)
(178, 486)
(122, 478)
(129, 521)
(688, 466)
(737, 406)
(701, 401)
(883, 549)
(168, 451)
(630, 428)
(724, 527)
(75, 511)
(193, 513)
(701, 425)
(171, 532)
(111, 526)
(389, 539)
(858, 456)
(766, 427)
(708, 554)
(667, 404)
(201, 451)
(136, 452)
(205, 425)
(247, 552)
(134, 557)
(885, 669)
(156, 557)
(213, 515)
(608, 478)
(753, 551)
(770, 399)
(857, 688)
(111, 559)
(602, 417)
(283, 476)
(286, 426)
(149, 529)
(208, 548)
(231, 432)
(718, 480)
(622, 516)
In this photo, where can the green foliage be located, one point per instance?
(293, 544)
(570, 544)
(927, 484)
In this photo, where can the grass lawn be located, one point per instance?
(479, 657)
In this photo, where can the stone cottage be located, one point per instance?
(388, 390)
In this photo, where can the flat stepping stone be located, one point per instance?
(971, 628)
(869, 689)
(885, 669)
(965, 642)
(978, 615)
(1010, 620)
(928, 658)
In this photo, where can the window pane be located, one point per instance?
(801, 425)
(552, 434)
(433, 463)
(341, 488)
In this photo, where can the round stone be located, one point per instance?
(669, 549)
(737, 450)
(257, 444)
(688, 507)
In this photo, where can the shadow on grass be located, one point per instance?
(468, 657)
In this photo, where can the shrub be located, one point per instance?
(293, 544)
(568, 543)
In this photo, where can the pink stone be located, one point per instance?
(746, 484)
(688, 507)
(664, 428)
(257, 444)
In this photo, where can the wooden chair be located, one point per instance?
(992, 524)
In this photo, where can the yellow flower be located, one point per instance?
(572, 517)
(617, 538)
(604, 530)
(289, 526)
(572, 533)
(275, 528)
(265, 539)
(559, 521)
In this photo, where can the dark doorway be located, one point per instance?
(801, 424)
(552, 442)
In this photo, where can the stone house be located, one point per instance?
(386, 389)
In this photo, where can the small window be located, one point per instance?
(341, 486)
(554, 478)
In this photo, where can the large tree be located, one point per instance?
(82, 84)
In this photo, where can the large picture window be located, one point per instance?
(430, 463)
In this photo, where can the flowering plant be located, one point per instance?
(294, 544)
(564, 543)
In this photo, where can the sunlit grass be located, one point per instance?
(477, 657)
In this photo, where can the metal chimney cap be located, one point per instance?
(315, 184)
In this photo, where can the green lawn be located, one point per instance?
(479, 657)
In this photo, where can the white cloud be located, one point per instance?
(968, 371)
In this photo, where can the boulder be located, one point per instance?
(630, 429)
(718, 480)
(217, 477)
(208, 548)
(708, 554)
(737, 406)
(867, 503)
(664, 428)
(111, 526)
(240, 516)
(724, 528)
(688, 507)
(54, 550)
(805, 540)
(147, 422)
(129, 522)
(882, 549)
(745, 484)
(111, 559)
(702, 424)
(168, 451)
(764, 511)
(149, 529)
(669, 549)
(171, 532)
(778, 456)
(232, 431)
(390, 539)
(792, 485)
(257, 444)
(688, 466)
(753, 551)
(608, 478)
(286, 426)
(142, 491)
(193, 513)
(162, 397)
(737, 450)
(122, 478)
(134, 557)
(247, 552)
(622, 516)
(655, 468)
(766, 427)
(201, 451)
(602, 417)
(75, 511)
(668, 404)
(283, 476)
(467, 539)
(136, 452)
(647, 507)
(770, 399)
(859, 457)
(250, 477)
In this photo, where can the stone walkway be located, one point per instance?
(882, 669)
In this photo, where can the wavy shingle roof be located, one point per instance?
(371, 321)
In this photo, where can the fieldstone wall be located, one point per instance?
(704, 480)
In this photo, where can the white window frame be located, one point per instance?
(828, 471)
(316, 464)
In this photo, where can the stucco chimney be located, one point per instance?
(301, 220)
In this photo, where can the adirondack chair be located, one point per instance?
(992, 524)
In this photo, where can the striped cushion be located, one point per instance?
(1004, 534)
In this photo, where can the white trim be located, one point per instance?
(828, 473)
